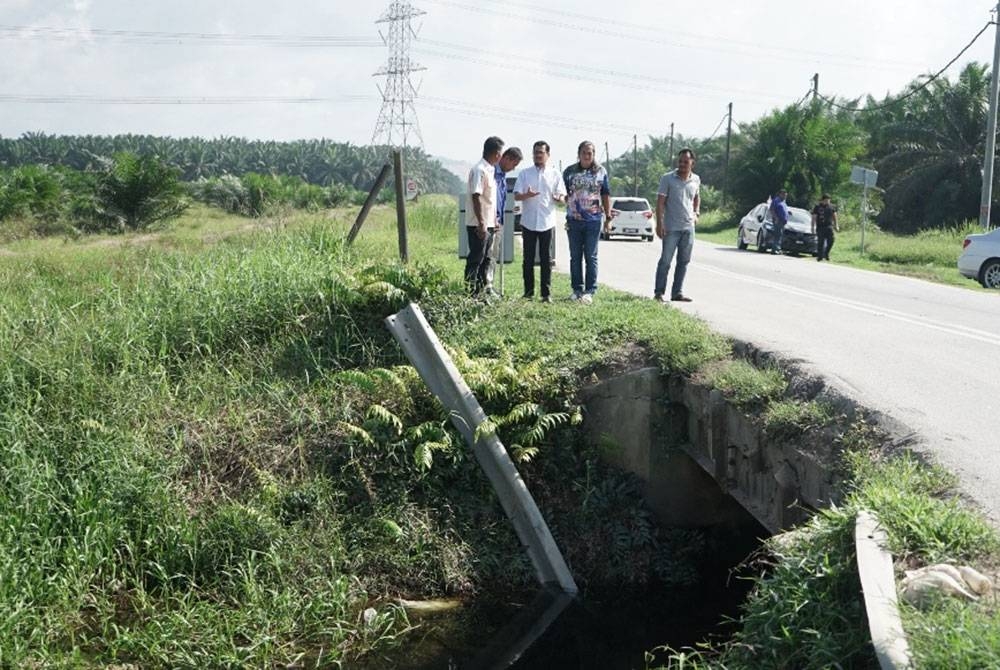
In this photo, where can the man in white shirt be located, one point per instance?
(538, 189)
(481, 214)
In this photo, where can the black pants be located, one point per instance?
(543, 242)
(824, 241)
(478, 260)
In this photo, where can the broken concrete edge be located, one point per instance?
(878, 586)
(425, 352)
(895, 435)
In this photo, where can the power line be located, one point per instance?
(586, 24)
(579, 72)
(165, 37)
(84, 99)
(914, 91)
(717, 128)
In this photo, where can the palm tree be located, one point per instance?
(929, 153)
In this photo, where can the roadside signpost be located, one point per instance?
(411, 189)
(867, 179)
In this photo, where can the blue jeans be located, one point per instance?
(583, 237)
(681, 241)
(777, 233)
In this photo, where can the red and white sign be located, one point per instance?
(411, 189)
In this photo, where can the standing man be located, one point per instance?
(587, 196)
(481, 214)
(538, 189)
(824, 222)
(779, 217)
(510, 159)
(678, 205)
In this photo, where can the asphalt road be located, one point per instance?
(924, 354)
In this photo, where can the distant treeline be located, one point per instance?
(320, 162)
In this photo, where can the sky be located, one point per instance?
(560, 71)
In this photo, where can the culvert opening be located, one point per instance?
(666, 444)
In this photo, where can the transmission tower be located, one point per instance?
(397, 120)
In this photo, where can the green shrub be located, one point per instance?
(134, 192)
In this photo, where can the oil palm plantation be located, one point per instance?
(928, 149)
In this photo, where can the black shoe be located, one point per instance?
(680, 297)
(659, 297)
(528, 296)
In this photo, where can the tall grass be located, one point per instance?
(213, 457)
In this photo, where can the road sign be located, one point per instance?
(863, 176)
(411, 189)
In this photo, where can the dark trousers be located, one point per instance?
(824, 241)
(543, 242)
(478, 260)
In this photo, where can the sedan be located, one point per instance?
(756, 229)
(632, 217)
(980, 259)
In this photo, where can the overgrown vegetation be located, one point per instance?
(215, 457)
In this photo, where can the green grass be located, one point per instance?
(745, 385)
(930, 255)
(213, 456)
(790, 417)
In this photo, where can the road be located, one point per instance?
(924, 354)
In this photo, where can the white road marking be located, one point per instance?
(857, 305)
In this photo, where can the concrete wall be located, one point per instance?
(702, 461)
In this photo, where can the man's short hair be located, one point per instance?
(689, 152)
(825, 196)
(492, 145)
(781, 190)
(542, 144)
(513, 152)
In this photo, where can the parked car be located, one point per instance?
(630, 217)
(756, 229)
(980, 259)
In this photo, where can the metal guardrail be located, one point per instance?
(428, 356)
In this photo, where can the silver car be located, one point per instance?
(980, 259)
(756, 229)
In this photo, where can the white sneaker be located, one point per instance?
(586, 298)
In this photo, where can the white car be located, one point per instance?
(631, 217)
(980, 259)
(756, 227)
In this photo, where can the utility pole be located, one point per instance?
(986, 198)
(397, 119)
(815, 86)
(725, 169)
(635, 163)
(607, 157)
(671, 157)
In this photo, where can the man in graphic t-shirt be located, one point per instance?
(824, 223)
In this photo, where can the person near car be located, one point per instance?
(824, 223)
(678, 205)
(779, 218)
(481, 214)
(588, 212)
(510, 159)
(538, 189)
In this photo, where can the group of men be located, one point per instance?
(584, 188)
(824, 224)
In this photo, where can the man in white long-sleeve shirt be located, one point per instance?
(538, 189)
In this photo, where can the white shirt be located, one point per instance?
(482, 183)
(539, 213)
